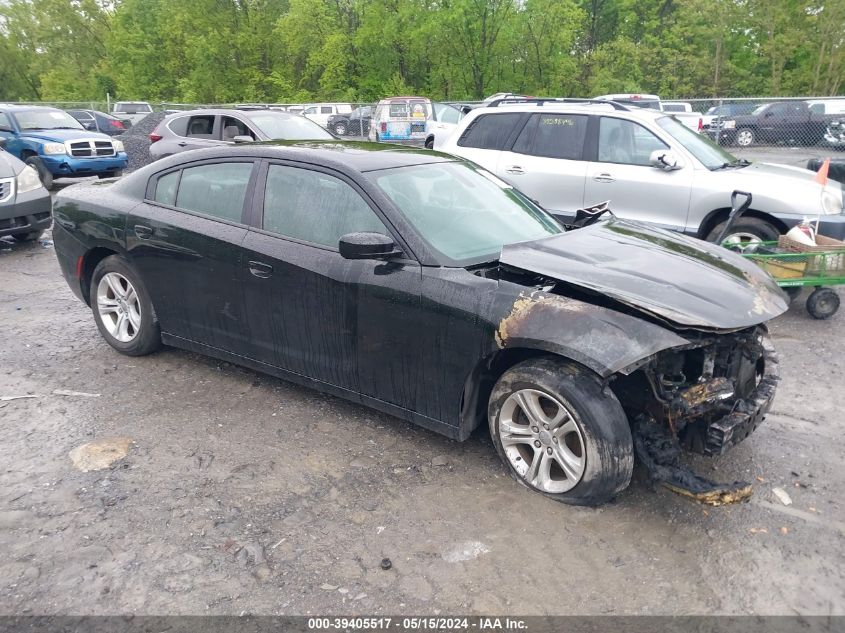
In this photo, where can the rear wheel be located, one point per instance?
(122, 308)
(823, 303)
(429, 143)
(43, 173)
(746, 234)
(559, 433)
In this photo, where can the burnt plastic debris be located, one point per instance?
(660, 452)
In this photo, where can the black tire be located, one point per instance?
(429, 143)
(745, 137)
(27, 237)
(43, 173)
(755, 226)
(603, 433)
(823, 303)
(147, 338)
(117, 173)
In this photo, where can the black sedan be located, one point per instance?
(423, 286)
(96, 121)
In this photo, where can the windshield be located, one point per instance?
(464, 212)
(706, 151)
(46, 120)
(288, 128)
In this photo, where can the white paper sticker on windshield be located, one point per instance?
(59, 116)
(496, 181)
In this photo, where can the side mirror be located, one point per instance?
(768, 114)
(242, 138)
(665, 159)
(367, 246)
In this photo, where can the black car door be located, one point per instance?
(185, 240)
(349, 323)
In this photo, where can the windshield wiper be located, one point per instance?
(65, 127)
(736, 164)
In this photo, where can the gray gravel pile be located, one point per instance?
(136, 140)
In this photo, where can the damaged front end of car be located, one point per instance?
(704, 398)
(711, 374)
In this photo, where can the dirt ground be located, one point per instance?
(241, 493)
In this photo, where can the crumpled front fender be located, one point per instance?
(604, 340)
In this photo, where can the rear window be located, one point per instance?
(217, 189)
(490, 131)
(132, 108)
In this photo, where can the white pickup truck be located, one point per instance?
(684, 114)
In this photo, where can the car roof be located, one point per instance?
(551, 107)
(225, 111)
(344, 156)
(21, 108)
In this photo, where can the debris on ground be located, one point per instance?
(386, 564)
(9, 398)
(465, 551)
(783, 496)
(660, 452)
(440, 460)
(68, 392)
(758, 530)
(100, 454)
(250, 554)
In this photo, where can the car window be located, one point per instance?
(314, 207)
(817, 108)
(233, 127)
(489, 131)
(217, 189)
(201, 126)
(166, 188)
(311, 110)
(625, 142)
(326, 109)
(553, 136)
(4, 121)
(446, 113)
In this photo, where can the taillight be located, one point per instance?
(117, 125)
(384, 127)
(155, 137)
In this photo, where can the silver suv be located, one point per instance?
(566, 155)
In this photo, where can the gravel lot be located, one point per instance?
(242, 493)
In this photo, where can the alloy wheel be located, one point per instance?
(742, 242)
(542, 441)
(119, 307)
(745, 138)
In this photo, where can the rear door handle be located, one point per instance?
(143, 232)
(182, 144)
(260, 269)
(603, 178)
(514, 169)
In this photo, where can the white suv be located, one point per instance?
(567, 154)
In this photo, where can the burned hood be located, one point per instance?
(680, 279)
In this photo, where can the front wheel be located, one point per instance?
(823, 303)
(746, 235)
(122, 308)
(429, 143)
(44, 174)
(340, 129)
(560, 433)
(745, 137)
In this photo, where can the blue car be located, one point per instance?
(57, 146)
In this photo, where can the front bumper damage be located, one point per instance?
(705, 398)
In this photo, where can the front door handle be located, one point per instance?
(603, 178)
(516, 170)
(182, 144)
(260, 269)
(143, 232)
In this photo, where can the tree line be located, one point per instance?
(222, 51)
